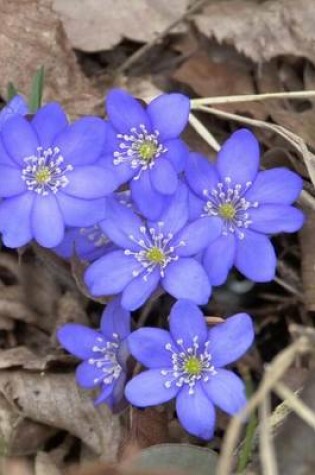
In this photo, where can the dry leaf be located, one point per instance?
(308, 260)
(94, 25)
(55, 400)
(45, 466)
(262, 30)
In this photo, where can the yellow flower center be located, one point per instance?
(227, 211)
(43, 175)
(156, 255)
(147, 150)
(193, 366)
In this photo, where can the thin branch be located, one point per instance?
(204, 132)
(267, 451)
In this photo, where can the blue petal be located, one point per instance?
(201, 174)
(149, 202)
(125, 112)
(272, 219)
(47, 223)
(79, 240)
(48, 122)
(19, 139)
(231, 339)
(147, 345)
(105, 393)
(219, 258)
(197, 235)
(148, 389)
(177, 153)
(169, 114)
(122, 172)
(11, 183)
(15, 220)
(238, 158)
(139, 290)
(112, 142)
(276, 186)
(255, 257)
(187, 322)
(226, 390)
(80, 340)
(5, 159)
(88, 375)
(78, 212)
(110, 274)
(17, 106)
(187, 277)
(196, 412)
(90, 182)
(175, 215)
(115, 320)
(195, 206)
(163, 177)
(122, 226)
(82, 142)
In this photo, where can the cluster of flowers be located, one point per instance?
(128, 196)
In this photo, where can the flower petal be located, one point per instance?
(219, 257)
(226, 390)
(149, 202)
(196, 412)
(201, 174)
(11, 183)
(177, 153)
(122, 172)
(82, 142)
(5, 158)
(139, 290)
(15, 220)
(175, 215)
(187, 322)
(276, 186)
(90, 182)
(197, 235)
(272, 219)
(238, 158)
(115, 320)
(88, 375)
(47, 223)
(125, 112)
(255, 257)
(148, 389)
(48, 122)
(195, 205)
(19, 139)
(110, 274)
(169, 114)
(78, 212)
(229, 340)
(187, 277)
(147, 345)
(163, 177)
(105, 393)
(79, 340)
(16, 106)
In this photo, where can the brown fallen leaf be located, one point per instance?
(56, 400)
(45, 466)
(262, 30)
(308, 260)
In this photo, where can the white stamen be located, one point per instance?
(106, 360)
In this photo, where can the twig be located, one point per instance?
(145, 48)
(204, 132)
(267, 451)
(289, 288)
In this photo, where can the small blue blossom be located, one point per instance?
(17, 106)
(251, 205)
(153, 253)
(142, 146)
(50, 176)
(104, 353)
(187, 364)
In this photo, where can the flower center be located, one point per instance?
(155, 250)
(231, 205)
(189, 365)
(139, 149)
(106, 360)
(46, 172)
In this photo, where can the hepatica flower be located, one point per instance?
(187, 364)
(104, 353)
(250, 204)
(143, 146)
(50, 176)
(153, 253)
(16, 106)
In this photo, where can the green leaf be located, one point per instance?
(11, 91)
(37, 90)
(188, 458)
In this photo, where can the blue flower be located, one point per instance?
(153, 253)
(142, 145)
(17, 106)
(251, 205)
(187, 364)
(104, 353)
(50, 176)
